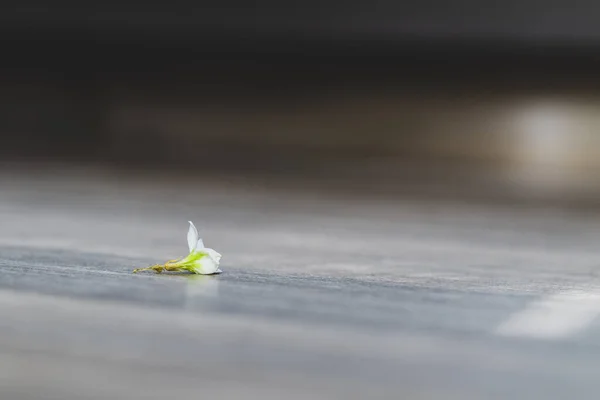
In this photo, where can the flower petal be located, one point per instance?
(214, 255)
(200, 244)
(205, 266)
(192, 237)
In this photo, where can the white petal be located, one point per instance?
(192, 237)
(200, 244)
(206, 266)
(215, 256)
(209, 263)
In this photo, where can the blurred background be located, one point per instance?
(459, 98)
(421, 176)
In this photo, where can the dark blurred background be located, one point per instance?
(465, 97)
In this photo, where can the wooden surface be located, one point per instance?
(323, 296)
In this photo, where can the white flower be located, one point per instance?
(201, 260)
